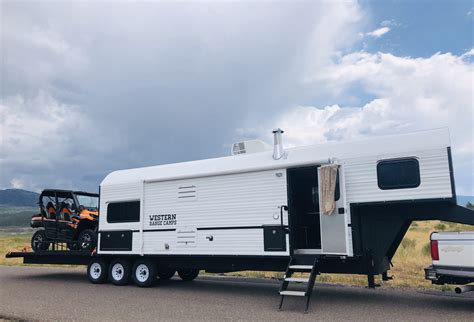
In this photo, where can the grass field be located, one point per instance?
(13, 242)
(412, 257)
(16, 216)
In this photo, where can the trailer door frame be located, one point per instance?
(336, 233)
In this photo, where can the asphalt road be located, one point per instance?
(39, 293)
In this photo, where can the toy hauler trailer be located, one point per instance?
(329, 208)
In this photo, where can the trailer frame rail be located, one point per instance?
(69, 257)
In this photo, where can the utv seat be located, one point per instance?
(50, 210)
(65, 213)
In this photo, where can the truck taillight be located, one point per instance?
(434, 250)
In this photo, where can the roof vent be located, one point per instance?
(252, 146)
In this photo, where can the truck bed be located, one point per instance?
(453, 258)
(70, 257)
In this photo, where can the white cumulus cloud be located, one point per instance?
(406, 94)
(377, 33)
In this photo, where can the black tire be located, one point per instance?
(119, 271)
(188, 274)
(39, 241)
(87, 240)
(97, 271)
(166, 274)
(144, 273)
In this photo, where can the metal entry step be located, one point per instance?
(293, 293)
(294, 266)
(297, 279)
(301, 267)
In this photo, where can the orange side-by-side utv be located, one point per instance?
(66, 216)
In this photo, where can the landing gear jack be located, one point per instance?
(371, 282)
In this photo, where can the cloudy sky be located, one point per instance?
(88, 88)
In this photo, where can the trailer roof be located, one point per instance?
(297, 156)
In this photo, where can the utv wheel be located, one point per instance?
(188, 274)
(39, 241)
(87, 240)
(166, 274)
(97, 271)
(119, 272)
(144, 273)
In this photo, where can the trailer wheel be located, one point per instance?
(119, 272)
(166, 274)
(188, 274)
(97, 271)
(39, 241)
(87, 239)
(144, 273)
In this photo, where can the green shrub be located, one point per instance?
(440, 227)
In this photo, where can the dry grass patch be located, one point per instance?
(13, 242)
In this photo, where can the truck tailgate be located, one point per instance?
(455, 249)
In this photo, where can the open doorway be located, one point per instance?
(303, 203)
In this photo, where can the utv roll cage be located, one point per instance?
(56, 193)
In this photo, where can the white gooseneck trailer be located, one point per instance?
(266, 208)
(261, 206)
(242, 205)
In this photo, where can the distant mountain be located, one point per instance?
(18, 198)
(463, 200)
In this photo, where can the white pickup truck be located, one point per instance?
(453, 260)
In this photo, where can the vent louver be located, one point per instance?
(186, 237)
(187, 192)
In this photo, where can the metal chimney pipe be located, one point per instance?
(278, 151)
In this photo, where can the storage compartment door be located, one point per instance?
(335, 226)
(274, 238)
(116, 240)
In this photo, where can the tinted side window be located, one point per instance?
(123, 212)
(398, 174)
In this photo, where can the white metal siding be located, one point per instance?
(225, 242)
(362, 186)
(115, 193)
(238, 200)
(246, 199)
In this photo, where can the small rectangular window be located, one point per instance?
(128, 211)
(398, 174)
